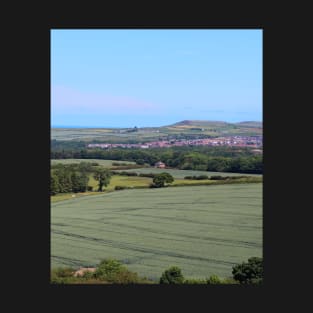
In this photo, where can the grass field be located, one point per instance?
(104, 163)
(136, 181)
(182, 173)
(204, 230)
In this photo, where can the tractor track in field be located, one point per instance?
(213, 240)
(136, 247)
(151, 235)
(133, 247)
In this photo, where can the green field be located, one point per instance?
(138, 182)
(104, 163)
(204, 230)
(182, 173)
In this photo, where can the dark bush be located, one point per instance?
(250, 272)
(150, 175)
(120, 164)
(120, 187)
(200, 177)
(124, 173)
(173, 275)
(140, 162)
(193, 281)
(188, 177)
(214, 280)
(217, 177)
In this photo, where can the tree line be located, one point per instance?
(75, 177)
(216, 159)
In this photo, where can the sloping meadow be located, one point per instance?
(204, 230)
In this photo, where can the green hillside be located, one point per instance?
(144, 134)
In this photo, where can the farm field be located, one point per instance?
(136, 181)
(182, 173)
(204, 230)
(104, 163)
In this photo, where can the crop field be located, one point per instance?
(182, 173)
(204, 230)
(104, 163)
(104, 134)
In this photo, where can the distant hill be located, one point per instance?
(199, 123)
(250, 124)
(182, 129)
(205, 123)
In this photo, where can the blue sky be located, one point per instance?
(154, 77)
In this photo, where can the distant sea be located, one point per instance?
(79, 126)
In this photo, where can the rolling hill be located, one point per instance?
(183, 128)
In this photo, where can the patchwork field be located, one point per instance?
(204, 230)
(187, 127)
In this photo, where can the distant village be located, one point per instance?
(234, 141)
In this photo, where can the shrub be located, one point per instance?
(193, 281)
(150, 175)
(200, 177)
(188, 177)
(237, 177)
(230, 281)
(124, 173)
(125, 277)
(214, 280)
(108, 268)
(120, 164)
(63, 272)
(217, 177)
(62, 275)
(140, 162)
(120, 187)
(89, 188)
(113, 271)
(173, 275)
(250, 272)
(160, 179)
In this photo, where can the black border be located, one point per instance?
(32, 112)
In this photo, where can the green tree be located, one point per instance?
(160, 179)
(173, 275)
(250, 272)
(79, 182)
(218, 164)
(54, 184)
(108, 267)
(113, 271)
(64, 179)
(103, 177)
(195, 161)
(140, 161)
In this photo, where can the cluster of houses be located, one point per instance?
(239, 141)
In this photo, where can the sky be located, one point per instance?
(154, 77)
